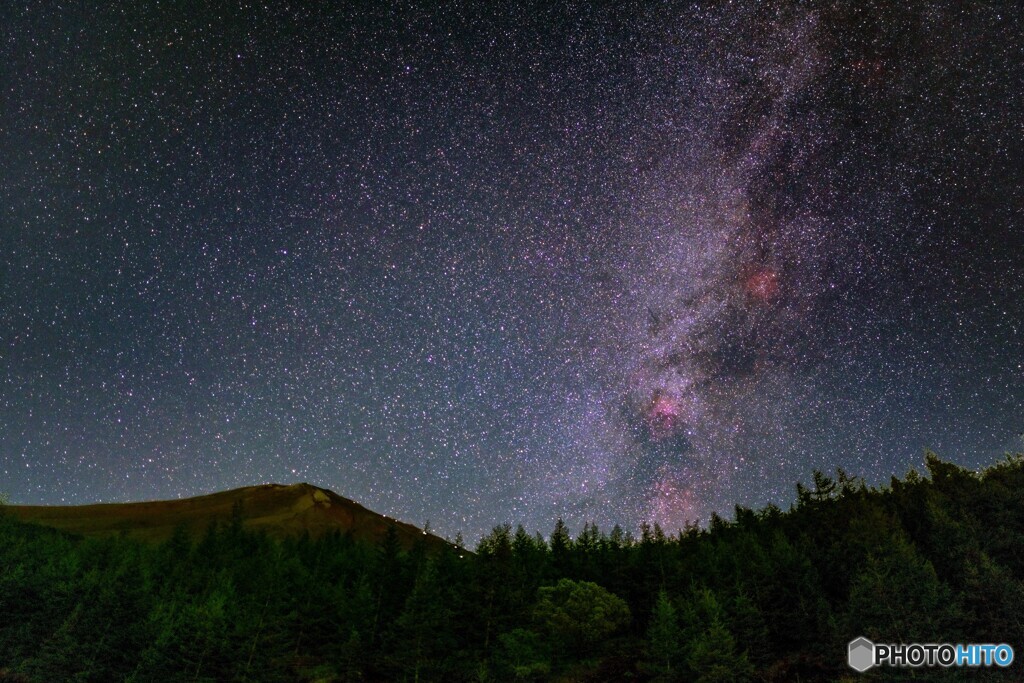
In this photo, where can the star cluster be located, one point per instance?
(474, 264)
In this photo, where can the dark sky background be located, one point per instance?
(472, 263)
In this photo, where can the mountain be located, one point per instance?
(280, 510)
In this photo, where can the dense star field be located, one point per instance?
(477, 264)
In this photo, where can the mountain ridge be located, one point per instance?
(280, 510)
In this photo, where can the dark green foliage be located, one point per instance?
(769, 596)
(524, 654)
(664, 642)
(578, 615)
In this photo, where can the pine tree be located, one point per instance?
(897, 595)
(560, 547)
(422, 633)
(712, 654)
(390, 585)
(664, 642)
(714, 659)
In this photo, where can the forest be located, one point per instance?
(769, 595)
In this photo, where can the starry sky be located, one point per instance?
(473, 263)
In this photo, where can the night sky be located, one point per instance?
(481, 263)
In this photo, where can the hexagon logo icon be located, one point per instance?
(861, 654)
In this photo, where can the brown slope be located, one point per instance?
(275, 508)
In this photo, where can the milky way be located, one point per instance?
(474, 265)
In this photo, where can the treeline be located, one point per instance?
(767, 596)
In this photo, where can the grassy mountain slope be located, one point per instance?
(276, 509)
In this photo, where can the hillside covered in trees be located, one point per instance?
(770, 595)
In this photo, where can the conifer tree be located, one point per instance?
(663, 645)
